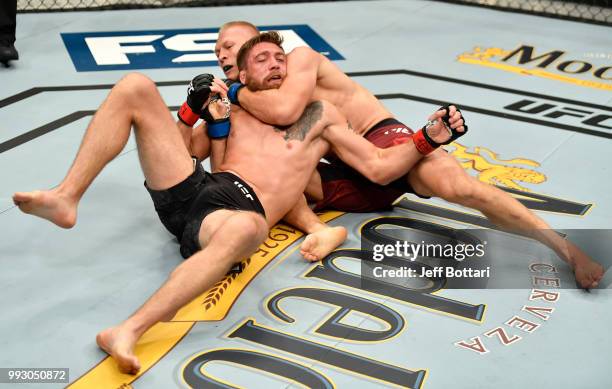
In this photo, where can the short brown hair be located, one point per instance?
(270, 36)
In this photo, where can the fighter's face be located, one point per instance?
(266, 67)
(226, 49)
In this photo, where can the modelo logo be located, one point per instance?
(526, 55)
(128, 50)
(525, 60)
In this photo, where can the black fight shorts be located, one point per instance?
(182, 207)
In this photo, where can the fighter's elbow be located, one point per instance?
(381, 178)
(376, 173)
(286, 116)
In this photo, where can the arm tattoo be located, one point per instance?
(312, 114)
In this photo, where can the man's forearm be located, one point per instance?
(217, 153)
(378, 165)
(270, 106)
(397, 161)
(382, 166)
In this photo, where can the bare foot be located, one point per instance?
(317, 245)
(119, 344)
(49, 204)
(588, 272)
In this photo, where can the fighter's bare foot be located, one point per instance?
(317, 245)
(588, 272)
(119, 344)
(50, 204)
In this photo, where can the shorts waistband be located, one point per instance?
(384, 123)
(245, 188)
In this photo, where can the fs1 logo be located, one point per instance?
(128, 50)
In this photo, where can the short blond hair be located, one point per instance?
(242, 23)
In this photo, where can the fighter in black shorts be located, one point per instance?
(182, 207)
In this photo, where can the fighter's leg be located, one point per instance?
(321, 239)
(309, 128)
(235, 235)
(133, 101)
(441, 175)
(303, 218)
(199, 142)
(314, 188)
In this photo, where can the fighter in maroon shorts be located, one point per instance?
(346, 190)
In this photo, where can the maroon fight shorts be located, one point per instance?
(345, 189)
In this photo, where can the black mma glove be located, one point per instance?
(425, 144)
(197, 94)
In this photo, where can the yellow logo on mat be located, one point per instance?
(212, 305)
(493, 170)
(527, 61)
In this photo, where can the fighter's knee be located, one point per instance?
(135, 78)
(251, 225)
(455, 184)
(137, 84)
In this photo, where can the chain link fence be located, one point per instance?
(91, 5)
(591, 11)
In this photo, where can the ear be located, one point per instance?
(242, 77)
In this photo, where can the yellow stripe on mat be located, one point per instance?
(537, 73)
(212, 305)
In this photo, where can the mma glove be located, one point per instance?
(425, 144)
(198, 93)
